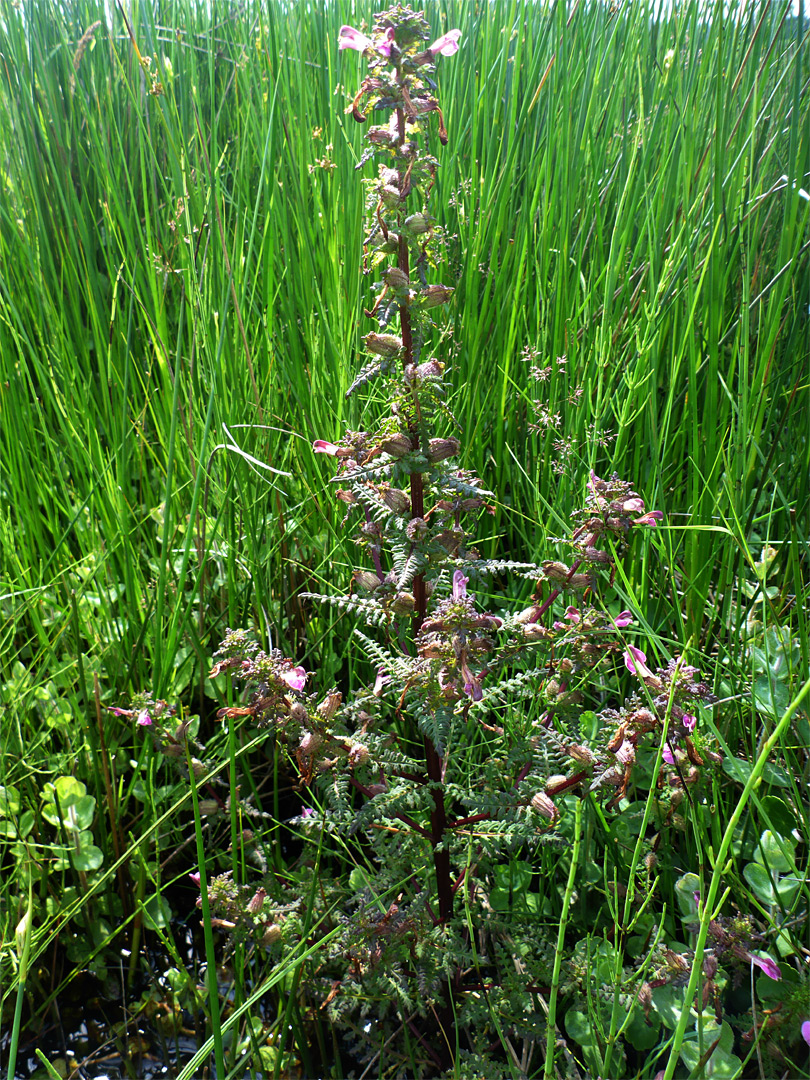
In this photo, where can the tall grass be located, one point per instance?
(624, 195)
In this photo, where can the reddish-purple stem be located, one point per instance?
(433, 761)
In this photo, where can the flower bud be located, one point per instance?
(381, 136)
(391, 245)
(256, 901)
(431, 369)
(298, 712)
(417, 529)
(543, 805)
(450, 539)
(330, 704)
(310, 742)
(594, 555)
(397, 501)
(358, 755)
(580, 581)
(389, 195)
(396, 279)
(527, 614)
(271, 935)
(434, 295)
(388, 345)
(366, 580)
(554, 782)
(555, 570)
(345, 496)
(440, 449)
(397, 445)
(416, 224)
(404, 603)
(581, 754)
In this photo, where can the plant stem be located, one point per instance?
(210, 955)
(433, 761)
(719, 869)
(551, 1019)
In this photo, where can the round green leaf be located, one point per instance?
(778, 815)
(769, 852)
(579, 1028)
(740, 770)
(80, 812)
(668, 1003)
(88, 857)
(757, 877)
(157, 911)
(9, 801)
(641, 1034)
(721, 1064)
(685, 888)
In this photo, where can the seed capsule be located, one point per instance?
(388, 345)
(416, 224)
(439, 449)
(271, 935)
(397, 445)
(395, 278)
(434, 295)
(397, 501)
(543, 805)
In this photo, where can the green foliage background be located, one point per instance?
(180, 311)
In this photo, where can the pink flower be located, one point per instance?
(650, 518)
(669, 757)
(349, 38)
(768, 966)
(321, 446)
(380, 682)
(472, 687)
(459, 586)
(624, 618)
(626, 753)
(633, 506)
(689, 722)
(385, 46)
(195, 878)
(295, 678)
(806, 1031)
(144, 719)
(446, 45)
(573, 614)
(307, 812)
(636, 661)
